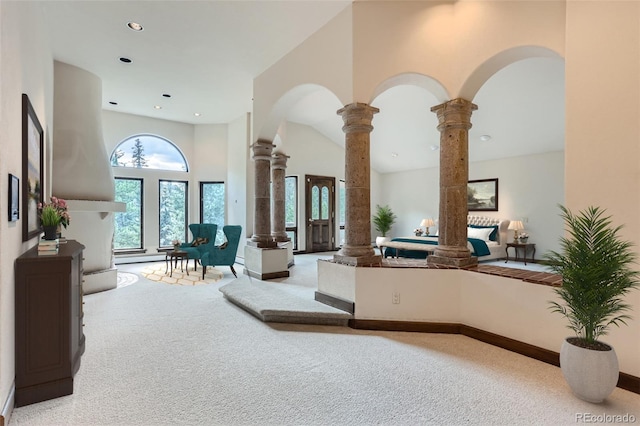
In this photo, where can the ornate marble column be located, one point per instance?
(278, 222)
(357, 249)
(262, 206)
(454, 122)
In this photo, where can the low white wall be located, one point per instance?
(508, 307)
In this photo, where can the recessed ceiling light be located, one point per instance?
(157, 107)
(166, 95)
(485, 138)
(394, 154)
(125, 60)
(197, 114)
(135, 26)
(113, 103)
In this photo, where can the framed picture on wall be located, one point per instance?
(32, 170)
(14, 198)
(482, 195)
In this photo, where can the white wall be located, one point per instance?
(26, 66)
(529, 187)
(448, 41)
(603, 128)
(325, 58)
(239, 209)
(507, 307)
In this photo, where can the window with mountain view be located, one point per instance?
(291, 209)
(128, 224)
(148, 152)
(172, 207)
(212, 206)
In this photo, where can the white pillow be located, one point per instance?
(479, 233)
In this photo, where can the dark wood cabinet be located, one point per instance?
(49, 323)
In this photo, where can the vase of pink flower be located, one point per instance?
(53, 216)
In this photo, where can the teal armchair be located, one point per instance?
(200, 230)
(224, 254)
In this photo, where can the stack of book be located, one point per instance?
(47, 247)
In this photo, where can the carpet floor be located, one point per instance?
(184, 355)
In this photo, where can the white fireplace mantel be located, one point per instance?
(96, 206)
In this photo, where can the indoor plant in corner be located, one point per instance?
(383, 220)
(596, 269)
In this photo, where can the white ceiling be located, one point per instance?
(205, 54)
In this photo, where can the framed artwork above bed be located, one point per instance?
(482, 195)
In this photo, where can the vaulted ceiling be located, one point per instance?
(205, 55)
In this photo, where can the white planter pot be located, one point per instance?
(592, 375)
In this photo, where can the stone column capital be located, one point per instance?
(279, 161)
(262, 149)
(357, 117)
(455, 113)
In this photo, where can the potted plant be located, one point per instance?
(52, 216)
(596, 269)
(383, 220)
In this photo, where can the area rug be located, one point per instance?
(156, 272)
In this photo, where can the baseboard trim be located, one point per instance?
(267, 276)
(625, 381)
(7, 408)
(335, 302)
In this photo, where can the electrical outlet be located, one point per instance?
(395, 298)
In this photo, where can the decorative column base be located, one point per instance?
(262, 243)
(266, 263)
(288, 245)
(357, 256)
(280, 238)
(367, 260)
(459, 257)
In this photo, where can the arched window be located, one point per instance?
(149, 152)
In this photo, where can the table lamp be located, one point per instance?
(517, 226)
(427, 223)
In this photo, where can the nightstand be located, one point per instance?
(525, 247)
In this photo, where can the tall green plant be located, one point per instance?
(384, 219)
(49, 216)
(595, 265)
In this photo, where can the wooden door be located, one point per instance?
(320, 213)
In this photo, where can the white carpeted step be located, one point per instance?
(270, 303)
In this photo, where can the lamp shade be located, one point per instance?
(516, 225)
(427, 222)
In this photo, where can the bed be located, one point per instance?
(487, 240)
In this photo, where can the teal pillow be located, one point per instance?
(494, 234)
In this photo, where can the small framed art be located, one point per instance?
(14, 198)
(482, 195)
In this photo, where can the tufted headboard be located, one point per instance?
(502, 225)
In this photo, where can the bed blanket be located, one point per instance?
(478, 248)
